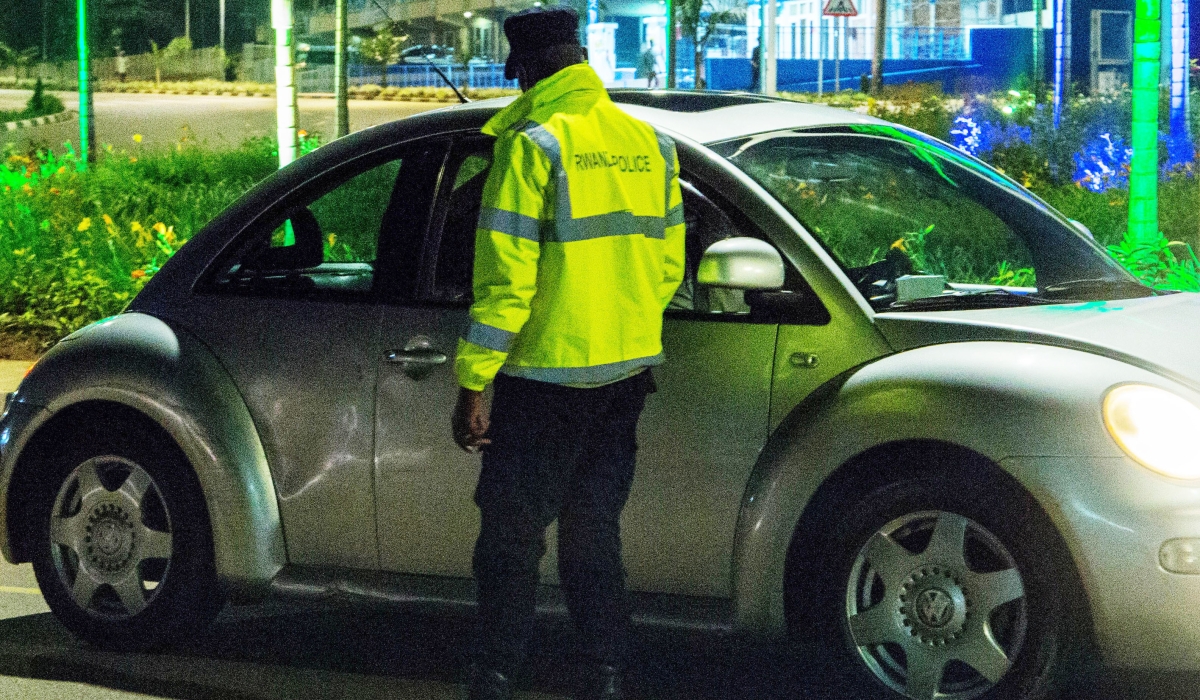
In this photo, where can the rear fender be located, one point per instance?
(168, 376)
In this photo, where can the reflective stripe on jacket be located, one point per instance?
(579, 246)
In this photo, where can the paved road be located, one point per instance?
(162, 120)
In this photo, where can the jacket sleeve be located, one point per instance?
(674, 255)
(507, 248)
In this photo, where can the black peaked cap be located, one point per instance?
(537, 28)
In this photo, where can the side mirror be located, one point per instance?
(741, 263)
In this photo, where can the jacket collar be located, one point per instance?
(570, 79)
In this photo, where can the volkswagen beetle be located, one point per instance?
(909, 411)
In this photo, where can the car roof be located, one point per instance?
(710, 117)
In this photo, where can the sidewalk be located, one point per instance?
(11, 373)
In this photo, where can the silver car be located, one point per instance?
(909, 411)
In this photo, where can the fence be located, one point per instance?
(197, 64)
(482, 75)
(807, 40)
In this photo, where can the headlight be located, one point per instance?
(1156, 428)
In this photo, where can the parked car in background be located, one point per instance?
(910, 413)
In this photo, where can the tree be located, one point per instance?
(699, 19)
(383, 49)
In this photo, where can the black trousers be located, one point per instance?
(556, 453)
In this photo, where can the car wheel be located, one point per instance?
(122, 548)
(937, 589)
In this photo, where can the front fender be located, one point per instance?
(170, 377)
(998, 399)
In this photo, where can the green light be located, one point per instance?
(1143, 175)
(87, 128)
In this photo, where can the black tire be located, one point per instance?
(186, 596)
(1049, 619)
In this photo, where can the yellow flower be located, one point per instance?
(107, 220)
(137, 138)
(85, 224)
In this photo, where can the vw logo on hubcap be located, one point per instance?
(935, 607)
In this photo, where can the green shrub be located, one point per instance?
(39, 105)
(76, 246)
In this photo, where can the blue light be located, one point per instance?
(1179, 146)
(1060, 49)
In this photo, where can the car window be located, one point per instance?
(466, 173)
(327, 243)
(871, 200)
(465, 176)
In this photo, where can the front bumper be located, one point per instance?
(15, 422)
(1115, 517)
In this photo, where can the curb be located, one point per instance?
(38, 121)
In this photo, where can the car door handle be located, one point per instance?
(420, 356)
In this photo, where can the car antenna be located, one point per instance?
(463, 99)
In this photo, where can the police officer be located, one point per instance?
(579, 248)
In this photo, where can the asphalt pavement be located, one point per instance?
(164, 120)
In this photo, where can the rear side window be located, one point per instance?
(325, 243)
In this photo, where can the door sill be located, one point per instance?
(455, 597)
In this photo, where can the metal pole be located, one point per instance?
(768, 53)
(340, 78)
(285, 81)
(221, 12)
(820, 56)
(837, 55)
(1143, 176)
(187, 19)
(1037, 51)
(1062, 57)
(87, 125)
(669, 49)
(45, 30)
(880, 45)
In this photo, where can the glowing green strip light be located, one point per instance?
(1143, 175)
(85, 102)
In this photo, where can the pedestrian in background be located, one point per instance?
(579, 248)
(648, 67)
(122, 64)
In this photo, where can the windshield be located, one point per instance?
(917, 225)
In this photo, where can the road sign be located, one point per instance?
(840, 8)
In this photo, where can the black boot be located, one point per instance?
(600, 682)
(486, 684)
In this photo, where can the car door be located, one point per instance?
(306, 272)
(699, 438)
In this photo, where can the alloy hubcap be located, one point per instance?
(935, 606)
(110, 537)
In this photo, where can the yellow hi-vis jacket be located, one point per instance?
(579, 246)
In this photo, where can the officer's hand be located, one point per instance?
(470, 423)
